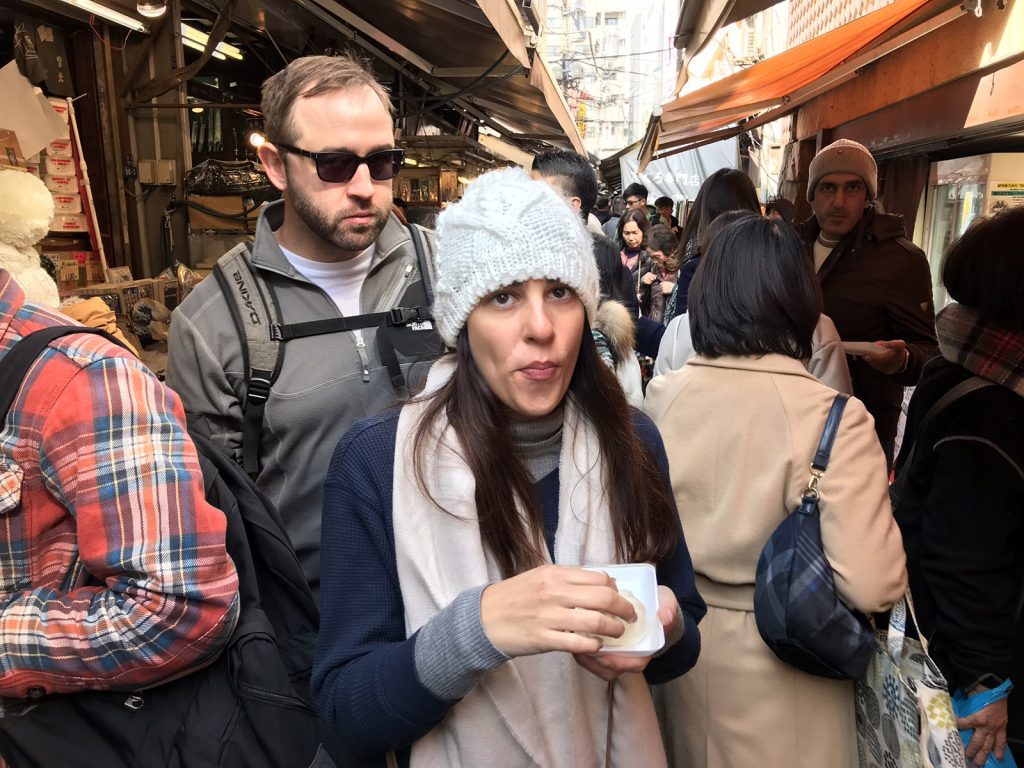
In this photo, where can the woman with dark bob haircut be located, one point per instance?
(466, 619)
(827, 361)
(755, 301)
(741, 422)
(960, 480)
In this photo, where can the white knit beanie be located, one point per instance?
(507, 229)
(843, 156)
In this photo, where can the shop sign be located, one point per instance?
(1006, 194)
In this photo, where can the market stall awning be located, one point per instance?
(699, 20)
(776, 86)
(474, 54)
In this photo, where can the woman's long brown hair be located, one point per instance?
(643, 516)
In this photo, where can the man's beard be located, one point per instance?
(335, 231)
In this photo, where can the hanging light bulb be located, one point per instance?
(151, 9)
(257, 139)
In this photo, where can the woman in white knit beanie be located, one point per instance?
(459, 627)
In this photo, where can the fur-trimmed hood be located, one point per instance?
(618, 326)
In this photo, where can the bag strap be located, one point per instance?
(608, 725)
(257, 319)
(425, 264)
(898, 615)
(393, 317)
(828, 438)
(897, 632)
(965, 387)
(254, 313)
(19, 359)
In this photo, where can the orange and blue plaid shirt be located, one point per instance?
(100, 485)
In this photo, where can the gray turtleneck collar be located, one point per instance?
(539, 442)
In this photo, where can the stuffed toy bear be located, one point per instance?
(26, 211)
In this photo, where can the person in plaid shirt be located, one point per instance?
(113, 567)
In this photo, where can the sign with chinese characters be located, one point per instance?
(679, 176)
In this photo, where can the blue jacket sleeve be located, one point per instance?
(364, 680)
(686, 273)
(676, 573)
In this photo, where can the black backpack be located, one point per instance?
(249, 708)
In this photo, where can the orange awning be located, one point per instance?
(780, 84)
(700, 20)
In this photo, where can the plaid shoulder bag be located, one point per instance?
(796, 607)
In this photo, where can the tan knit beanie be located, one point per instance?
(843, 156)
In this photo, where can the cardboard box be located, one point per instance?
(65, 185)
(70, 222)
(119, 275)
(60, 106)
(89, 268)
(64, 243)
(59, 148)
(59, 166)
(120, 297)
(30, 169)
(230, 205)
(10, 151)
(69, 276)
(67, 203)
(93, 269)
(76, 269)
(167, 292)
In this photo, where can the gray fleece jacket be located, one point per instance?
(322, 388)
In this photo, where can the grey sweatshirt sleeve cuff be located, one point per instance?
(453, 651)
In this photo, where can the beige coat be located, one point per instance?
(827, 364)
(740, 433)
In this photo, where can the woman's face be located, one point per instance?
(525, 339)
(632, 236)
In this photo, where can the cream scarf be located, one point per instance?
(542, 710)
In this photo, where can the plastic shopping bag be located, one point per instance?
(964, 705)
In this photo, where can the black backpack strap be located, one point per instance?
(828, 438)
(392, 317)
(255, 314)
(965, 387)
(19, 358)
(425, 263)
(258, 322)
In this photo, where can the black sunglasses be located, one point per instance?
(340, 167)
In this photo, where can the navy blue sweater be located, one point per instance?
(364, 680)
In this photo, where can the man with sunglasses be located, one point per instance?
(331, 248)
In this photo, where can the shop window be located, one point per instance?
(954, 207)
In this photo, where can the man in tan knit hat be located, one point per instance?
(875, 283)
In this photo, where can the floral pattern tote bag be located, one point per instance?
(904, 711)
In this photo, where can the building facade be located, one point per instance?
(614, 63)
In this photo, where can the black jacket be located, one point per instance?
(961, 513)
(876, 285)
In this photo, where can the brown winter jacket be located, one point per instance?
(877, 286)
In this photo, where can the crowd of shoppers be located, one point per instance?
(452, 511)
